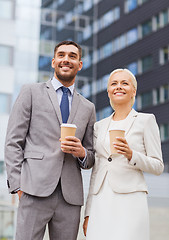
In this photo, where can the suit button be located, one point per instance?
(109, 159)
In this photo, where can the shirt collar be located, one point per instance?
(56, 84)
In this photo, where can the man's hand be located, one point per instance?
(73, 146)
(19, 194)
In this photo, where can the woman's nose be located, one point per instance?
(119, 85)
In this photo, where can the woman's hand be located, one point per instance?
(122, 147)
(19, 194)
(85, 224)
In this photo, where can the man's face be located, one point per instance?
(66, 64)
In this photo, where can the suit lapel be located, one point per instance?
(74, 107)
(53, 97)
(104, 133)
(130, 120)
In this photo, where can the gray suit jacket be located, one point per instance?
(33, 157)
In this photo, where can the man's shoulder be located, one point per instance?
(35, 85)
(86, 101)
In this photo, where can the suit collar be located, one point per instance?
(53, 97)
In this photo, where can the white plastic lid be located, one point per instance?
(68, 125)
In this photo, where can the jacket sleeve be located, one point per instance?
(17, 129)
(152, 161)
(88, 142)
(92, 178)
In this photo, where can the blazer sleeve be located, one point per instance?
(152, 161)
(92, 178)
(17, 129)
(88, 142)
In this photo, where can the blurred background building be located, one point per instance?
(19, 54)
(113, 34)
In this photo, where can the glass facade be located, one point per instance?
(7, 9)
(5, 103)
(6, 55)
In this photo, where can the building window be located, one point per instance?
(131, 5)
(107, 111)
(87, 32)
(60, 24)
(133, 67)
(146, 99)
(165, 17)
(157, 23)
(87, 61)
(146, 28)
(44, 63)
(147, 63)
(116, 13)
(87, 5)
(47, 32)
(164, 132)
(6, 55)
(86, 90)
(107, 49)
(132, 36)
(164, 55)
(5, 103)
(6, 11)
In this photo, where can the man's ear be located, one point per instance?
(53, 63)
(80, 65)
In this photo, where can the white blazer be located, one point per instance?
(142, 135)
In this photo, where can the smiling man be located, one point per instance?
(45, 173)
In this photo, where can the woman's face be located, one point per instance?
(120, 88)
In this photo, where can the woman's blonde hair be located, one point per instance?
(133, 79)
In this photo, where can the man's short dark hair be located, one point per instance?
(66, 42)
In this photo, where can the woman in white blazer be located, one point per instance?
(116, 207)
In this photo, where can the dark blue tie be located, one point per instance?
(64, 105)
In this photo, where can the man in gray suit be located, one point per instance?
(44, 172)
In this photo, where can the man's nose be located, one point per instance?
(66, 58)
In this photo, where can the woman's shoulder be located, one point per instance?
(146, 117)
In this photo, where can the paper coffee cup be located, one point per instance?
(113, 134)
(67, 129)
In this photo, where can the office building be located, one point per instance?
(114, 34)
(19, 51)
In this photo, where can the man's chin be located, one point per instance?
(65, 77)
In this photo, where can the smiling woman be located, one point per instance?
(122, 86)
(116, 206)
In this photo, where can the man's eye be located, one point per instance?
(72, 56)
